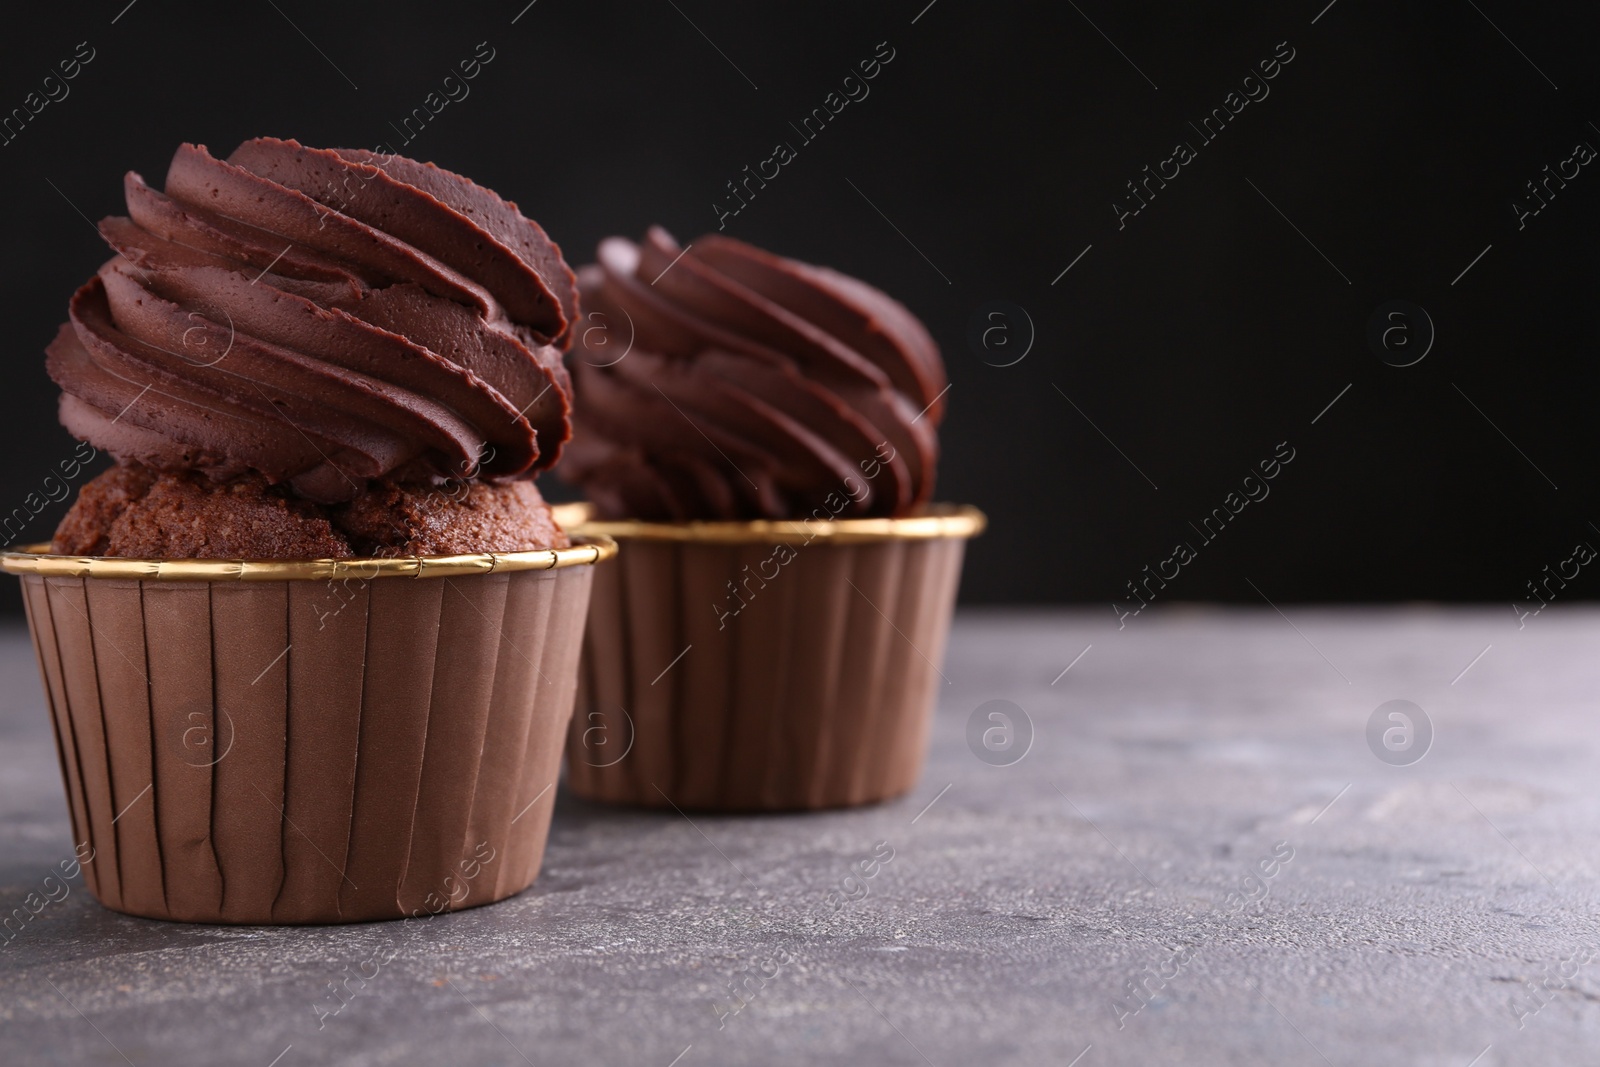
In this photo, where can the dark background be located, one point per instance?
(1196, 339)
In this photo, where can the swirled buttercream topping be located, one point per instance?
(719, 381)
(323, 317)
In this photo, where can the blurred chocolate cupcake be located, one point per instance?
(310, 647)
(760, 434)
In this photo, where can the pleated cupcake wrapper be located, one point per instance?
(818, 693)
(309, 751)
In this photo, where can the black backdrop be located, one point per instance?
(1182, 347)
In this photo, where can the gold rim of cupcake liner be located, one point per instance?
(937, 522)
(36, 559)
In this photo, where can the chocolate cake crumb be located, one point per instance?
(412, 520)
(86, 530)
(131, 511)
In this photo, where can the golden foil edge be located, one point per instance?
(587, 549)
(939, 521)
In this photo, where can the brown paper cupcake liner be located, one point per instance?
(764, 666)
(301, 742)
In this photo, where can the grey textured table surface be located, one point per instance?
(1429, 914)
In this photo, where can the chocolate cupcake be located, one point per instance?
(760, 434)
(310, 647)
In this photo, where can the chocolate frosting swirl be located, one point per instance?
(718, 381)
(323, 316)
